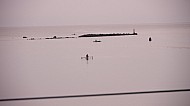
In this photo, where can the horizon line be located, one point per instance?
(21, 26)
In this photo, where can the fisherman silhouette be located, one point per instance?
(150, 39)
(87, 56)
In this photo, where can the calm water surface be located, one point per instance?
(32, 68)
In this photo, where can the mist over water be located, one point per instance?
(32, 68)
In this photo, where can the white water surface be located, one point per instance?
(38, 68)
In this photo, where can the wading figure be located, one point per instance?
(87, 57)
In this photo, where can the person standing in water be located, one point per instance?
(87, 56)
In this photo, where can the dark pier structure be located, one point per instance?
(111, 34)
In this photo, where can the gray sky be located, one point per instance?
(85, 12)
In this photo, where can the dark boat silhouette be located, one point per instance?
(97, 41)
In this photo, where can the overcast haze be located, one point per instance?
(87, 12)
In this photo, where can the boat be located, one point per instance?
(97, 41)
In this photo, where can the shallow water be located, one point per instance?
(32, 68)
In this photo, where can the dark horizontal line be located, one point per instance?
(95, 95)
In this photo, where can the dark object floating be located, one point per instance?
(31, 39)
(24, 37)
(149, 39)
(111, 34)
(97, 41)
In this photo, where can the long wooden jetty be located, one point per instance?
(108, 34)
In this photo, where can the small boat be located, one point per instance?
(97, 41)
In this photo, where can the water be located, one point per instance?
(32, 68)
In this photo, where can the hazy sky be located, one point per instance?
(84, 12)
